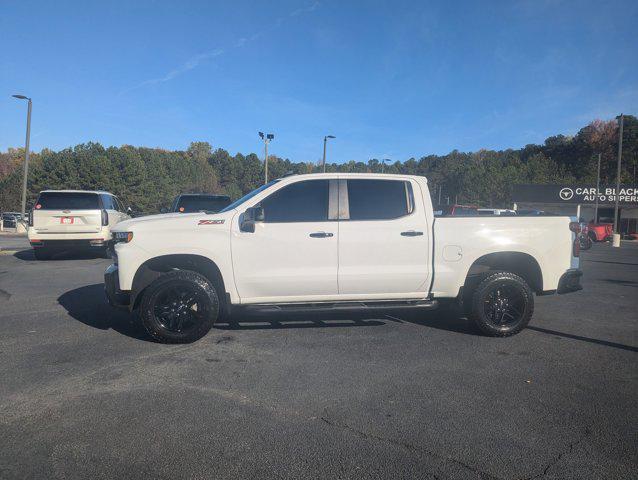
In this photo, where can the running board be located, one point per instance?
(339, 306)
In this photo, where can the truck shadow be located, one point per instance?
(89, 306)
(28, 256)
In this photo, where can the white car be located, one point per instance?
(496, 211)
(336, 241)
(73, 219)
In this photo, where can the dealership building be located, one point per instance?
(580, 200)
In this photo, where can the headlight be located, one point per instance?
(122, 237)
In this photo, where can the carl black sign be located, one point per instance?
(574, 194)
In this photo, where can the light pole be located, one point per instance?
(266, 138)
(26, 156)
(325, 140)
(621, 121)
(597, 191)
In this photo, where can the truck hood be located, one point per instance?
(170, 221)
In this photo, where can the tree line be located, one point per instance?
(148, 179)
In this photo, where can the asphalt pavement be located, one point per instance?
(84, 393)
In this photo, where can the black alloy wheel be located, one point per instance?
(502, 304)
(179, 307)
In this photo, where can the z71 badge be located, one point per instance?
(210, 222)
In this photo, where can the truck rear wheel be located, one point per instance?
(179, 307)
(502, 304)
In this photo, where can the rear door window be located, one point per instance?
(67, 201)
(107, 202)
(379, 199)
(119, 204)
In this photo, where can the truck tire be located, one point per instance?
(179, 307)
(585, 242)
(41, 254)
(502, 304)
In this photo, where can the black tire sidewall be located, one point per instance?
(585, 242)
(483, 290)
(194, 279)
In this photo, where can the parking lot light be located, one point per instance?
(26, 155)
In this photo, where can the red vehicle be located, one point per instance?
(600, 232)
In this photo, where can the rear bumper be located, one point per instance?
(117, 298)
(62, 244)
(570, 281)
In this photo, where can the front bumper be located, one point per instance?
(117, 298)
(570, 281)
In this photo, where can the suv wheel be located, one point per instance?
(179, 307)
(502, 304)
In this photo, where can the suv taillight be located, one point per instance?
(105, 218)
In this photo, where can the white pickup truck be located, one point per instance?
(337, 241)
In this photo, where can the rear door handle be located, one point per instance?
(321, 234)
(411, 233)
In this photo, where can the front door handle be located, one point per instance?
(411, 233)
(321, 234)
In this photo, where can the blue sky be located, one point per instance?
(389, 79)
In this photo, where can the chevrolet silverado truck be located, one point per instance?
(337, 241)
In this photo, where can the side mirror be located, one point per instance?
(163, 210)
(250, 217)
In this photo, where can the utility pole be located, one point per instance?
(325, 140)
(621, 121)
(597, 191)
(26, 156)
(266, 138)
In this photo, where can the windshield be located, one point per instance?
(248, 196)
(199, 203)
(67, 201)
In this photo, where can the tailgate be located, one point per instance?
(67, 221)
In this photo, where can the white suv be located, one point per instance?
(73, 219)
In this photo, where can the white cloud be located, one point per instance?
(198, 59)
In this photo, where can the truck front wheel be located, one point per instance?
(179, 307)
(502, 304)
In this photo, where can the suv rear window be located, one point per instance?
(67, 201)
(198, 203)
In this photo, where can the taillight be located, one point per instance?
(574, 227)
(105, 218)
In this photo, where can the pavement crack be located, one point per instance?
(410, 447)
(561, 455)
